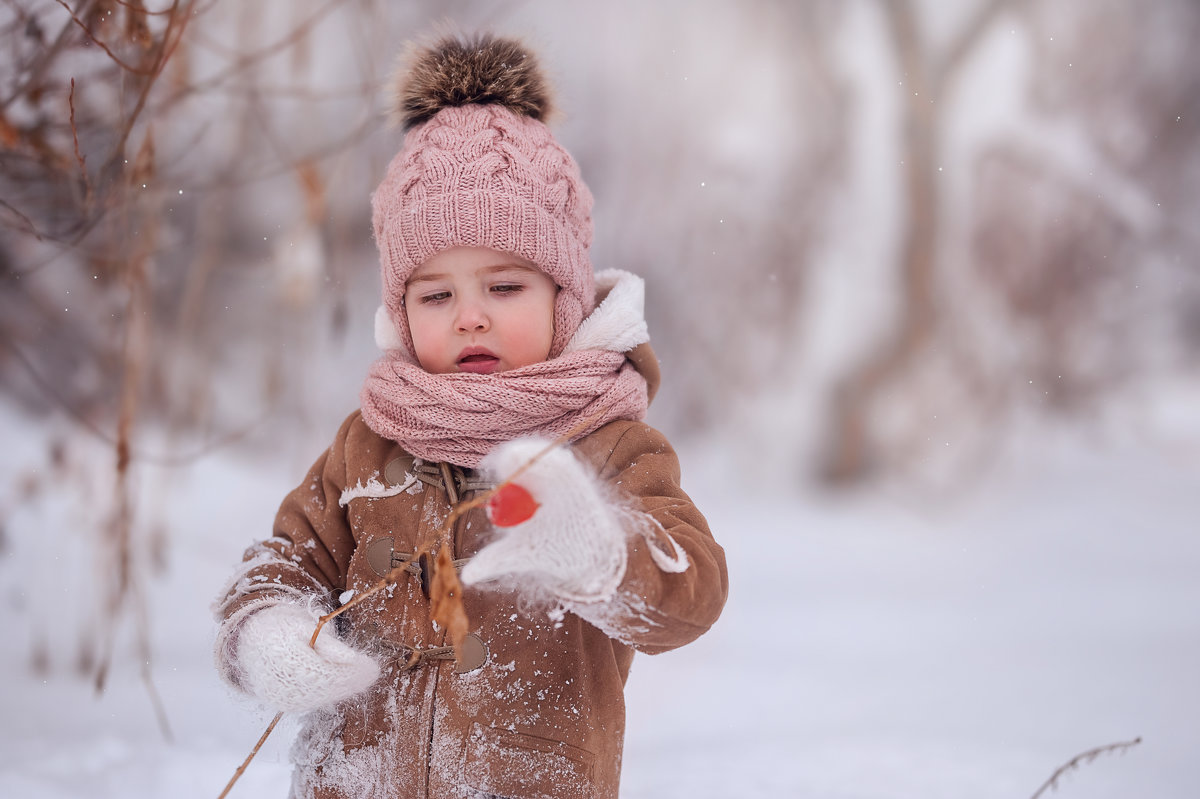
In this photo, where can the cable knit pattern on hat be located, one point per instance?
(480, 169)
(483, 176)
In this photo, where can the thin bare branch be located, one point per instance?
(46, 57)
(53, 393)
(139, 7)
(30, 228)
(242, 768)
(176, 25)
(246, 176)
(80, 158)
(87, 31)
(1082, 758)
(143, 456)
(248, 60)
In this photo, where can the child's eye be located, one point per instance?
(507, 288)
(435, 297)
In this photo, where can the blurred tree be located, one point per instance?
(184, 214)
(1035, 270)
(78, 162)
(171, 188)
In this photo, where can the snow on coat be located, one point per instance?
(543, 714)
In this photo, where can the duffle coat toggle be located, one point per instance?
(473, 655)
(434, 474)
(454, 480)
(383, 558)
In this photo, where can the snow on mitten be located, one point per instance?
(572, 544)
(279, 667)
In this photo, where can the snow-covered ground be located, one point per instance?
(880, 645)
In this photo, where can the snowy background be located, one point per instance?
(880, 645)
(924, 280)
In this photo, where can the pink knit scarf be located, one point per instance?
(460, 417)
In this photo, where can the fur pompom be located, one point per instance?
(482, 70)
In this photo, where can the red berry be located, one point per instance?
(511, 505)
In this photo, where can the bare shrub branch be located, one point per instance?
(1081, 759)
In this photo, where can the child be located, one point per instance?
(498, 340)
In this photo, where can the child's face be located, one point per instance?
(474, 309)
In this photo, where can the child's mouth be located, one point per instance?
(479, 364)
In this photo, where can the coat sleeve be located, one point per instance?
(305, 559)
(675, 581)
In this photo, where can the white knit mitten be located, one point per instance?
(572, 545)
(278, 666)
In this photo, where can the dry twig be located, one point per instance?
(79, 157)
(445, 597)
(242, 768)
(455, 513)
(1082, 758)
(151, 73)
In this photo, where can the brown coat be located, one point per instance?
(544, 714)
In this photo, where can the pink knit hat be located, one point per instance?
(480, 169)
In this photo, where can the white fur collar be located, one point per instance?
(618, 323)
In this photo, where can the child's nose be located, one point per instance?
(471, 317)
